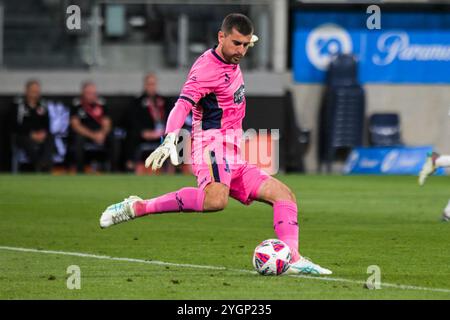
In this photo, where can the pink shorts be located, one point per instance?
(243, 179)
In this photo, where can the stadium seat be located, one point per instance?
(342, 112)
(295, 137)
(384, 130)
(343, 71)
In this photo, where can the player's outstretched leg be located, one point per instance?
(213, 198)
(286, 225)
(185, 199)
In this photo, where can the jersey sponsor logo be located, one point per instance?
(239, 94)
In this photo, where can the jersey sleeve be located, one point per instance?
(178, 115)
(201, 81)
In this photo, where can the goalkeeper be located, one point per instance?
(215, 92)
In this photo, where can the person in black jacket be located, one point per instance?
(90, 123)
(31, 127)
(147, 120)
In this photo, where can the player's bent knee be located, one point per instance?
(290, 195)
(216, 197)
(285, 195)
(216, 203)
(215, 206)
(275, 191)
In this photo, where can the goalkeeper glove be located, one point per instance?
(167, 148)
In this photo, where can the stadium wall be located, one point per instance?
(261, 83)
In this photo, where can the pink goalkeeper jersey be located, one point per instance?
(216, 91)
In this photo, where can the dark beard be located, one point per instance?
(229, 59)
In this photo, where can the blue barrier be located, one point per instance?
(388, 160)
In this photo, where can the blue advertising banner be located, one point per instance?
(383, 160)
(410, 47)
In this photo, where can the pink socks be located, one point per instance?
(286, 226)
(185, 199)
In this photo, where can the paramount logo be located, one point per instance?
(396, 45)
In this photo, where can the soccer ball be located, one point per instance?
(272, 257)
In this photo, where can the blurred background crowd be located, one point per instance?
(81, 136)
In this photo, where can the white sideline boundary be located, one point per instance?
(217, 268)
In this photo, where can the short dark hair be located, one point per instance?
(238, 21)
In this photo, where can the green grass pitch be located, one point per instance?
(347, 223)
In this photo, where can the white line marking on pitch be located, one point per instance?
(195, 266)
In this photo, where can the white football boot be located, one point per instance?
(306, 266)
(428, 168)
(119, 212)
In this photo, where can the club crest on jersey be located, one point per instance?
(239, 94)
